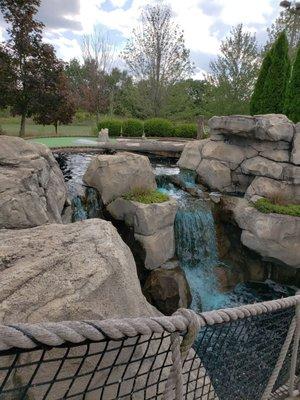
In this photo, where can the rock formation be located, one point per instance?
(32, 187)
(153, 226)
(256, 157)
(115, 175)
(68, 272)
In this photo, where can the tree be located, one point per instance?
(156, 54)
(55, 101)
(288, 22)
(230, 81)
(258, 94)
(274, 88)
(292, 103)
(7, 78)
(23, 48)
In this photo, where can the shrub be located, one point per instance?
(159, 127)
(186, 130)
(133, 127)
(266, 206)
(146, 196)
(292, 103)
(113, 125)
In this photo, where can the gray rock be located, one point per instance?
(292, 173)
(168, 290)
(103, 135)
(295, 158)
(271, 188)
(215, 197)
(270, 127)
(159, 247)
(32, 187)
(274, 127)
(276, 155)
(115, 175)
(191, 155)
(68, 272)
(259, 166)
(146, 219)
(215, 174)
(231, 154)
(275, 237)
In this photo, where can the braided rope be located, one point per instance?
(29, 336)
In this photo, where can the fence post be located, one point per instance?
(295, 353)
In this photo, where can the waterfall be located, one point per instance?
(195, 240)
(196, 249)
(87, 206)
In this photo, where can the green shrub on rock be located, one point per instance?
(186, 130)
(292, 102)
(146, 196)
(159, 127)
(133, 128)
(114, 126)
(266, 206)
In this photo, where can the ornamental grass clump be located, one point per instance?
(146, 196)
(266, 206)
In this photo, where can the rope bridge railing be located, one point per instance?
(244, 353)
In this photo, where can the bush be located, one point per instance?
(146, 196)
(113, 125)
(266, 206)
(133, 128)
(186, 130)
(159, 127)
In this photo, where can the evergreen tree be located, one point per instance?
(257, 96)
(292, 103)
(274, 92)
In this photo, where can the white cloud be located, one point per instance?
(66, 48)
(118, 3)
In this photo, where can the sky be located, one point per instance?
(205, 23)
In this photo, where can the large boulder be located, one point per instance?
(272, 188)
(146, 219)
(270, 127)
(231, 154)
(275, 237)
(215, 174)
(68, 272)
(260, 166)
(191, 155)
(115, 175)
(32, 187)
(167, 288)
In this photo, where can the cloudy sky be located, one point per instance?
(205, 22)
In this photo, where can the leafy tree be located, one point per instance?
(288, 22)
(230, 82)
(24, 48)
(156, 54)
(274, 90)
(7, 78)
(56, 105)
(258, 94)
(292, 103)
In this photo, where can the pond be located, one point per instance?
(195, 232)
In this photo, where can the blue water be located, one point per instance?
(196, 245)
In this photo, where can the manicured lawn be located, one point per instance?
(66, 141)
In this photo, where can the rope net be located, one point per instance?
(229, 361)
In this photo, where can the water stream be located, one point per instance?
(195, 235)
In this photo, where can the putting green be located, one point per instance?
(66, 141)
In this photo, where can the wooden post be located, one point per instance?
(200, 128)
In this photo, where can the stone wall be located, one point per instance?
(253, 155)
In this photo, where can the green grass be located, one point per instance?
(146, 196)
(266, 206)
(53, 142)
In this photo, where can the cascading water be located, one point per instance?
(195, 240)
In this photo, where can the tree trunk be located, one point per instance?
(200, 128)
(22, 127)
(55, 128)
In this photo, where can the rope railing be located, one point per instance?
(248, 352)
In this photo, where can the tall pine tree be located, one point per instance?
(257, 96)
(292, 103)
(274, 91)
